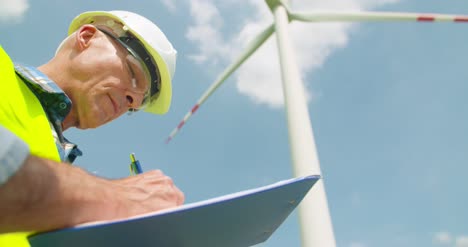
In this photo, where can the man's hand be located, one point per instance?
(147, 192)
(45, 195)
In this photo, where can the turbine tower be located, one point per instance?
(314, 217)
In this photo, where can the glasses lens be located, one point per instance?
(141, 78)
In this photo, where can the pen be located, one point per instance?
(135, 167)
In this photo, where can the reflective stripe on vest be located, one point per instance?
(21, 113)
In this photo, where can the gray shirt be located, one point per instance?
(13, 152)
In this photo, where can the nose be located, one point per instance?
(134, 100)
(129, 100)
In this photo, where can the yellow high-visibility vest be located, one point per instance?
(22, 113)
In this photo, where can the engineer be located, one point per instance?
(111, 62)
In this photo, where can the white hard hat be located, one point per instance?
(158, 53)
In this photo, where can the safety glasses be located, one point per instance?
(139, 58)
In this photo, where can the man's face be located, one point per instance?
(113, 82)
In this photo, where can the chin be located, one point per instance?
(91, 124)
(95, 119)
(84, 127)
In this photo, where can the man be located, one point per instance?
(111, 63)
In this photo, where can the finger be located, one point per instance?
(153, 174)
(180, 196)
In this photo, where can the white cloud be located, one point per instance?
(12, 10)
(170, 4)
(205, 32)
(461, 241)
(442, 238)
(259, 78)
(446, 239)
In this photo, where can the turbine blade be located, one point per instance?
(249, 50)
(358, 16)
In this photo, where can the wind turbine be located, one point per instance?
(315, 221)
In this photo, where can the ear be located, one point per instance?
(84, 35)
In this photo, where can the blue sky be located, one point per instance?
(387, 102)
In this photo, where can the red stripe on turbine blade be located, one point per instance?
(426, 18)
(461, 19)
(168, 140)
(195, 108)
(181, 124)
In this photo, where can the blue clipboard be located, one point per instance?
(241, 219)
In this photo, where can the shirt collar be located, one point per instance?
(56, 103)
